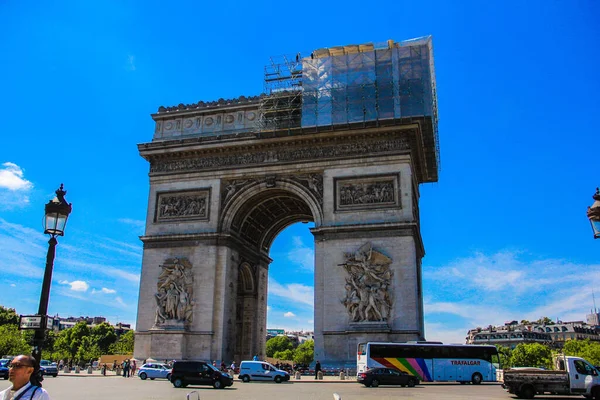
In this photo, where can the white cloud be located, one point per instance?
(268, 308)
(301, 255)
(289, 314)
(293, 292)
(13, 285)
(76, 286)
(131, 62)
(104, 291)
(491, 289)
(12, 177)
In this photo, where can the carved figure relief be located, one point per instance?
(182, 205)
(282, 155)
(174, 295)
(367, 192)
(368, 286)
(314, 182)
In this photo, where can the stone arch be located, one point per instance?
(260, 210)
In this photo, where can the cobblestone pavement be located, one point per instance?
(96, 387)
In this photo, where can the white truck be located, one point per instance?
(574, 376)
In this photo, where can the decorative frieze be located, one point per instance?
(187, 205)
(261, 157)
(368, 285)
(313, 182)
(367, 192)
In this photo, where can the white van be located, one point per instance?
(261, 371)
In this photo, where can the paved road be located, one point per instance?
(116, 388)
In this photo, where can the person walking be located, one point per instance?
(133, 367)
(23, 373)
(255, 358)
(317, 369)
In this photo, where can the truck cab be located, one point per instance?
(574, 376)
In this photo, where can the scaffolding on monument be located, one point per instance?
(352, 84)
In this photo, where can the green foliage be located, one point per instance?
(584, 349)
(278, 343)
(531, 355)
(67, 344)
(124, 345)
(504, 354)
(544, 321)
(284, 355)
(305, 353)
(88, 350)
(103, 336)
(12, 342)
(8, 316)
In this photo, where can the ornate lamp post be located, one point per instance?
(57, 213)
(593, 213)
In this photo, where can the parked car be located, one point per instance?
(261, 371)
(153, 371)
(186, 373)
(386, 376)
(48, 368)
(4, 368)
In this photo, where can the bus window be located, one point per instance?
(362, 348)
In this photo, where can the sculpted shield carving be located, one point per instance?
(174, 296)
(368, 293)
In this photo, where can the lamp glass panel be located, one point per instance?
(51, 220)
(596, 228)
(60, 223)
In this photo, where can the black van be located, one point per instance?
(198, 373)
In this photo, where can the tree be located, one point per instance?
(12, 342)
(124, 345)
(278, 343)
(68, 341)
(584, 349)
(284, 355)
(504, 354)
(531, 355)
(103, 335)
(8, 316)
(88, 350)
(305, 352)
(544, 321)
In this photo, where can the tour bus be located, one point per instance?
(432, 361)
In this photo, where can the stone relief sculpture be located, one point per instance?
(182, 205)
(314, 182)
(367, 193)
(368, 294)
(174, 304)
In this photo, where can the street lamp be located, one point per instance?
(57, 213)
(593, 213)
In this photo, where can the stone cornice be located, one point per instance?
(184, 157)
(388, 229)
(184, 109)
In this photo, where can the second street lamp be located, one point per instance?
(593, 214)
(57, 213)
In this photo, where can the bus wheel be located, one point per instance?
(476, 378)
(375, 383)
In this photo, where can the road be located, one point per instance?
(116, 388)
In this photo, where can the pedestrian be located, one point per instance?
(215, 363)
(317, 369)
(103, 369)
(23, 373)
(233, 366)
(133, 367)
(223, 366)
(114, 368)
(255, 358)
(126, 368)
(61, 365)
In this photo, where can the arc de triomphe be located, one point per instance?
(342, 138)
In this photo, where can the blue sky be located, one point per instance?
(504, 228)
